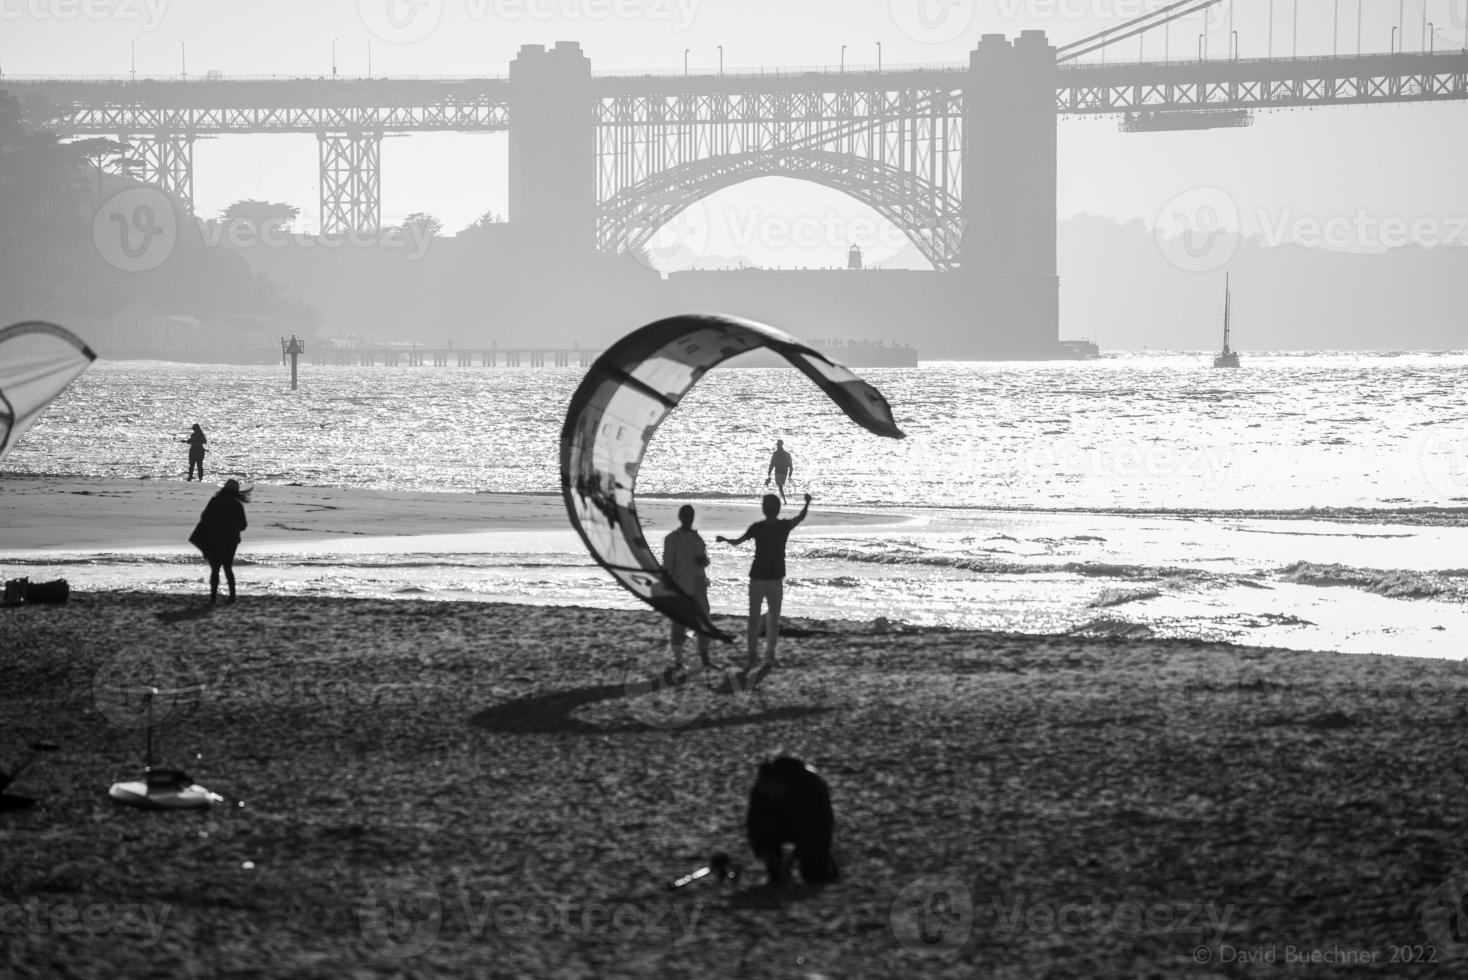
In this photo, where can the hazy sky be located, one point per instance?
(1345, 176)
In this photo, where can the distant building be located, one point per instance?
(853, 259)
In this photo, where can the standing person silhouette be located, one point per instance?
(781, 465)
(218, 534)
(686, 560)
(196, 441)
(767, 574)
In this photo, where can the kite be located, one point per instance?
(617, 409)
(37, 361)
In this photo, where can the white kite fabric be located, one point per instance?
(617, 409)
(37, 361)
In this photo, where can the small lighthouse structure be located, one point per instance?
(293, 349)
(853, 259)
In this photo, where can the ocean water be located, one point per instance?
(1312, 501)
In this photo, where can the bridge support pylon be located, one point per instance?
(351, 181)
(553, 149)
(1010, 177)
(165, 160)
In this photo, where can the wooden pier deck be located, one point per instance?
(455, 356)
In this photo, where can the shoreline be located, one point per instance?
(66, 515)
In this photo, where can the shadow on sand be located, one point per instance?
(550, 714)
(202, 611)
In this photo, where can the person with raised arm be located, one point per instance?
(767, 574)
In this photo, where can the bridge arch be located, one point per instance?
(930, 216)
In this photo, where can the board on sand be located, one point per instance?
(163, 789)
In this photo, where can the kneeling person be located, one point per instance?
(790, 804)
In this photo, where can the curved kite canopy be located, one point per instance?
(37, 361)
(615, 412)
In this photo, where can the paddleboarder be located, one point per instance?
(781, 466)
(196, 441)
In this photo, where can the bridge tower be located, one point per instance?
(553, 149)
(1010, 173)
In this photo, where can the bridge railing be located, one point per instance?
(1373, 56)
(127, 79)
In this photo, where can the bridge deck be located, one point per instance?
(98, 106)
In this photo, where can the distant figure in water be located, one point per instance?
(686, 560)
(781, 466)
(196, 441)
(218, 534)
(767, 573)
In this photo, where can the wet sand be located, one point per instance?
(77, 514)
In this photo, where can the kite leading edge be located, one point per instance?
(37, 361)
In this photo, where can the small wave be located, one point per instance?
(982, 566)
(1113, 629)
(1392, 583)
(1120, 597)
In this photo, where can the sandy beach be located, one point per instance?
(428, 789)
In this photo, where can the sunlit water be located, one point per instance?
(1138, 494)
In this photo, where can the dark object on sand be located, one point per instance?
(47, 592)
(719, 867)
(14, 592)
(162, 787)
(9, 801)
(790, 804)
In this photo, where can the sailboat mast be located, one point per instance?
(1227, 303)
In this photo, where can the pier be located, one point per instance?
(488, 357)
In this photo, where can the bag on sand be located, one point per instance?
(14, 592)
(56, 591)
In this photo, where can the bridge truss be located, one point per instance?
(896, 149)
(1263, 84)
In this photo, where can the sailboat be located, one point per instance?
(1229, 358)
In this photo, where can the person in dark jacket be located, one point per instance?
(791, 804)
(218, 534)
(196, 443)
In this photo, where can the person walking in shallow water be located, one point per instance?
(218, 534)
(686, 560)
(196, 441)
(767, 574)
(782, 467)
